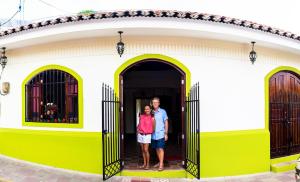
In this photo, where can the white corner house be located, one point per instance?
(73, 101)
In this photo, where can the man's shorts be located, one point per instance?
(156, 144)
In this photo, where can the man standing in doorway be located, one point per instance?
(160, 135)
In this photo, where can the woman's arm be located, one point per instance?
(137, 127)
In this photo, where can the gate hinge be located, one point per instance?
(122, 136)
(183, 162)
(121, 82)
(182, 109)
(182, 136)
(182, 82)
(121, 108)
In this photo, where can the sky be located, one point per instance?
(280, 14)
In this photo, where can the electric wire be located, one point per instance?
(51, 5)
(18, 11)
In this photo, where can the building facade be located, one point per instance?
(249, 114)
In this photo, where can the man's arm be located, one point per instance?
(166, 129)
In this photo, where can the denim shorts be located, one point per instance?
(156, 144)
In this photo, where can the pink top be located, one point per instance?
(146, 124)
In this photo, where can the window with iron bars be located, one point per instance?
(52, 97)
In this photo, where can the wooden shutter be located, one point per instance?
(71, 99)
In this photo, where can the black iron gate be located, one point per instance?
(112, 163)
(192, 122)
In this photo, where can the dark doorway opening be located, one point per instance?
(139, 84)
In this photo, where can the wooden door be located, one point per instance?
(294, 113)
(284, 114)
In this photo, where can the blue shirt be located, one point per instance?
(160, 117)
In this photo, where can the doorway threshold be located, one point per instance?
(172, 173)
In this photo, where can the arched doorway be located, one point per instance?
(136, 82)
(284, 113)
(140, 82)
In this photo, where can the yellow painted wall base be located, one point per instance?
(225, 154)
(234, 153)
(222, 153)
(79, 151)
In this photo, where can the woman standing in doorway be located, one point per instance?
(145, 129)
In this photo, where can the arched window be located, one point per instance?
(52, 96)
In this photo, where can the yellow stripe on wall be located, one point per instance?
(222, 153)
(233, 153)
(81, 151)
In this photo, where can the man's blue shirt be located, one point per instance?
(160, 117)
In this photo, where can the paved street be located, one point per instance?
(16, 171)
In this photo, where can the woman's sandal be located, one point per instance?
(147, 168)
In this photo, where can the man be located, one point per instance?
(160, 135)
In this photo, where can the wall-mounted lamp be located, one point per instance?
(3, 59)
(3, 62)
(252, 54)
(120, 45)
(5, 88)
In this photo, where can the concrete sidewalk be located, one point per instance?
(263, 177)
(12, 170)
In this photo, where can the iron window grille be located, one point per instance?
(52, 97)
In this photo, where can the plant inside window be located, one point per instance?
(52, 96)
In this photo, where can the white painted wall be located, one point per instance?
(231, 89)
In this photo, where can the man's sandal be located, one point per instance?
(156, 165)
(142, 167)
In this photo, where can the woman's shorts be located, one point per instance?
(144, 138)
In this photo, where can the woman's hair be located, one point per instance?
(147, 105)
(151, 110)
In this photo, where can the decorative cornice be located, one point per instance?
(153, 13)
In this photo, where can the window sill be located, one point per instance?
(53, 125)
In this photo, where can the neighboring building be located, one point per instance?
(59, 113)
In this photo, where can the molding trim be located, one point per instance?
(153, 13)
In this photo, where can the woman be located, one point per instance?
(145, 129)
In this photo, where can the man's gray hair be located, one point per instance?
(155, 98)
